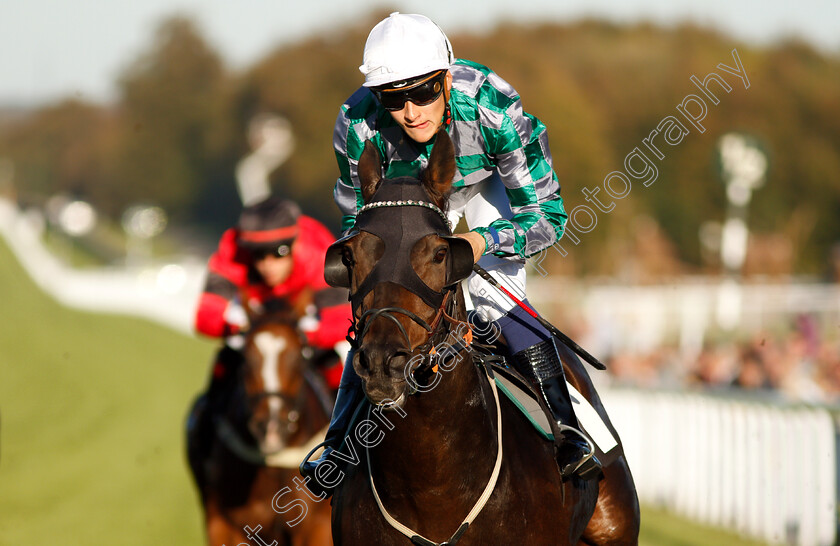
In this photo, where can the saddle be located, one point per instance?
(527, 400)
(524, 396)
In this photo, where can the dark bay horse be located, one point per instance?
(250, 484)
(442, 458)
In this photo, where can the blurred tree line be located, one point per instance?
(179, 126)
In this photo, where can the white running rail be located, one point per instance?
(165, 293)
(765, 470)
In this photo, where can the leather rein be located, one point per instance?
(437, 331)
(427, 349)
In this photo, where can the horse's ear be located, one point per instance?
(302, 302)
(253, 308)
(437, 178)
(370, 170)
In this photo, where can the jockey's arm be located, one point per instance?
(333, 318)
(523, 161)
(328, 332)
(214, 315)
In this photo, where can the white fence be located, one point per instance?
(766, 471)
(165, 293)
(642, 318)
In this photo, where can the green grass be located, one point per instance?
(91, 429)
(92, 409)
(661, 528)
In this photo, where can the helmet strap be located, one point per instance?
(447, 112)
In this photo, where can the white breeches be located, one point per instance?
(481, 204)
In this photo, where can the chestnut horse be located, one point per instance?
(250, 484)
(443, 458)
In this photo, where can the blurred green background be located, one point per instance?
(179, 125)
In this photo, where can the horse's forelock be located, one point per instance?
(438, 176)
(369, 170)
(279, 311)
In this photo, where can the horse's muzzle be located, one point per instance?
(382, 372)
(270, 435)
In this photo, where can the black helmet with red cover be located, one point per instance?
(269, 226)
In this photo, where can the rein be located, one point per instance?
(288, 457)
(417, 538)
(388, 312)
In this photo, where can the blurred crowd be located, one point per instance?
(801, 364)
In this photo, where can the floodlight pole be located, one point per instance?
(743, 165)
(272, 143)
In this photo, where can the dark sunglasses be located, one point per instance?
(277, 252)
(421, 94)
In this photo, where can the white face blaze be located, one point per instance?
(270, 346)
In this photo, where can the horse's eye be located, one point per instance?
(440, 255)
(347, 257)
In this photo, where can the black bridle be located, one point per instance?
(361, 326)
(293, 404)
(418, 217)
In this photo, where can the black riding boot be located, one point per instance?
(575, 452)
(347, 399)
(219, 389)
(205, 412)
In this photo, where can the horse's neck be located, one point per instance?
(444, 431)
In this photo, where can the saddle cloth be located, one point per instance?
(525, 399)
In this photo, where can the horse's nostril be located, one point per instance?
(361, 363)
(397, 364)
(376, 360)
(258, 428)
(359, 360)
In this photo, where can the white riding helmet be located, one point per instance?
(404, 46)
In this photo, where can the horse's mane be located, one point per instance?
(274, 311)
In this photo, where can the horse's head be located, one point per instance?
(402, 265)
(273, 378)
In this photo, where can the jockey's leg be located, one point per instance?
(223, 374)
(532, 346)
(223, 378)
(347, 399)
(206, 410)
(575, 451)
(197, 449)
(535, 356)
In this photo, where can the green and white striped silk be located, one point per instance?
(491, 134)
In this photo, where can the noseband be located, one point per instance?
(295, 403)
(361, 326)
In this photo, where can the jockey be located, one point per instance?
(504, 187)
(274, 252)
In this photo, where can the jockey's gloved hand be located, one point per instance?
(235, 315)
(309, 322)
